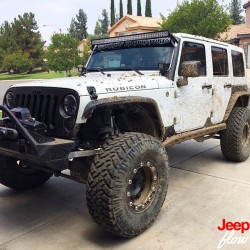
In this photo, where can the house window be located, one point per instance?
(220, 61)
(238, 64)
(122, 33)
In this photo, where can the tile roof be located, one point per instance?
(234, 31)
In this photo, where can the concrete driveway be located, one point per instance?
(203, 190)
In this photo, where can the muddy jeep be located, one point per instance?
(110, 127)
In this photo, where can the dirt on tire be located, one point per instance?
(112, 173)
(235, 139)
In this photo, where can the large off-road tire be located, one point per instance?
(127, 184)
(14, 174)
(235, 139)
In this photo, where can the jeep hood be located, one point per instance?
(113, 83)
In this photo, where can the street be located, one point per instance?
(204, 189)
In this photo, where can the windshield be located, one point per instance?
(139, 58)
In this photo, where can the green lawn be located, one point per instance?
(43, 75)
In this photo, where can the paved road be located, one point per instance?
(204, 189)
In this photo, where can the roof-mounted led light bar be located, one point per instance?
(142, 36)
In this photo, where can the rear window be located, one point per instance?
(238, 64)
(220, 61)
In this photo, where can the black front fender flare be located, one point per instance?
(113, 102)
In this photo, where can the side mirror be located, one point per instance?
(189, 69)
(163, 67)
(81, 69)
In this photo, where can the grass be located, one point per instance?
(43, 75)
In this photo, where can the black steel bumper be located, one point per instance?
(19, 143)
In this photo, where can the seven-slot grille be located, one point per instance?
(42, 107)
(46, 105)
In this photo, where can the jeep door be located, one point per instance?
(221, 81)
(193, 101)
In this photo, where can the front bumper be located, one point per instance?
(22, 145)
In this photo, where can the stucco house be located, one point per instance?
(240, 34)
(130, 24)
(80, 47)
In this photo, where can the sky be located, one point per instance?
(57, 14)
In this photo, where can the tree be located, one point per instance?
(112, 13)
(104, 22)
(121, 9)
(129, 7)
(28, 39)
(148, 11)
(139, 8)
(72, 28)
(209, 20)
(7, 38)
(81, 25)
(17, 61)
(62, 54)
(117, 17)
(92, 37)
(98, 29)
(235, 12)
(22, 36)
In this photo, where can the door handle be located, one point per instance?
(229, 85)
(209, 86)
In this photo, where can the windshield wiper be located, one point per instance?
(98, 69)
(131, 68)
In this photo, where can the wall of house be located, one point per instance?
(80, 47)
(247, 22)
(245, 45)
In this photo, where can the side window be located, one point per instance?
(238, 64)
(194, 52)
(220, 61)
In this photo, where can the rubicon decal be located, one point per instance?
(231, 228)
(126, 88)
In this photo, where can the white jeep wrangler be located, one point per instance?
(137, 95)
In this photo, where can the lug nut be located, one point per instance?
(155, 178)
(130, 182)
(135, 171)
(131, 204)
(142, 164)
(128, 194)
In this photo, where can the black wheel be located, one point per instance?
(235, 139)
(127, 184)
(16, 175)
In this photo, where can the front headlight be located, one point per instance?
(70, 104)
(9, 100)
